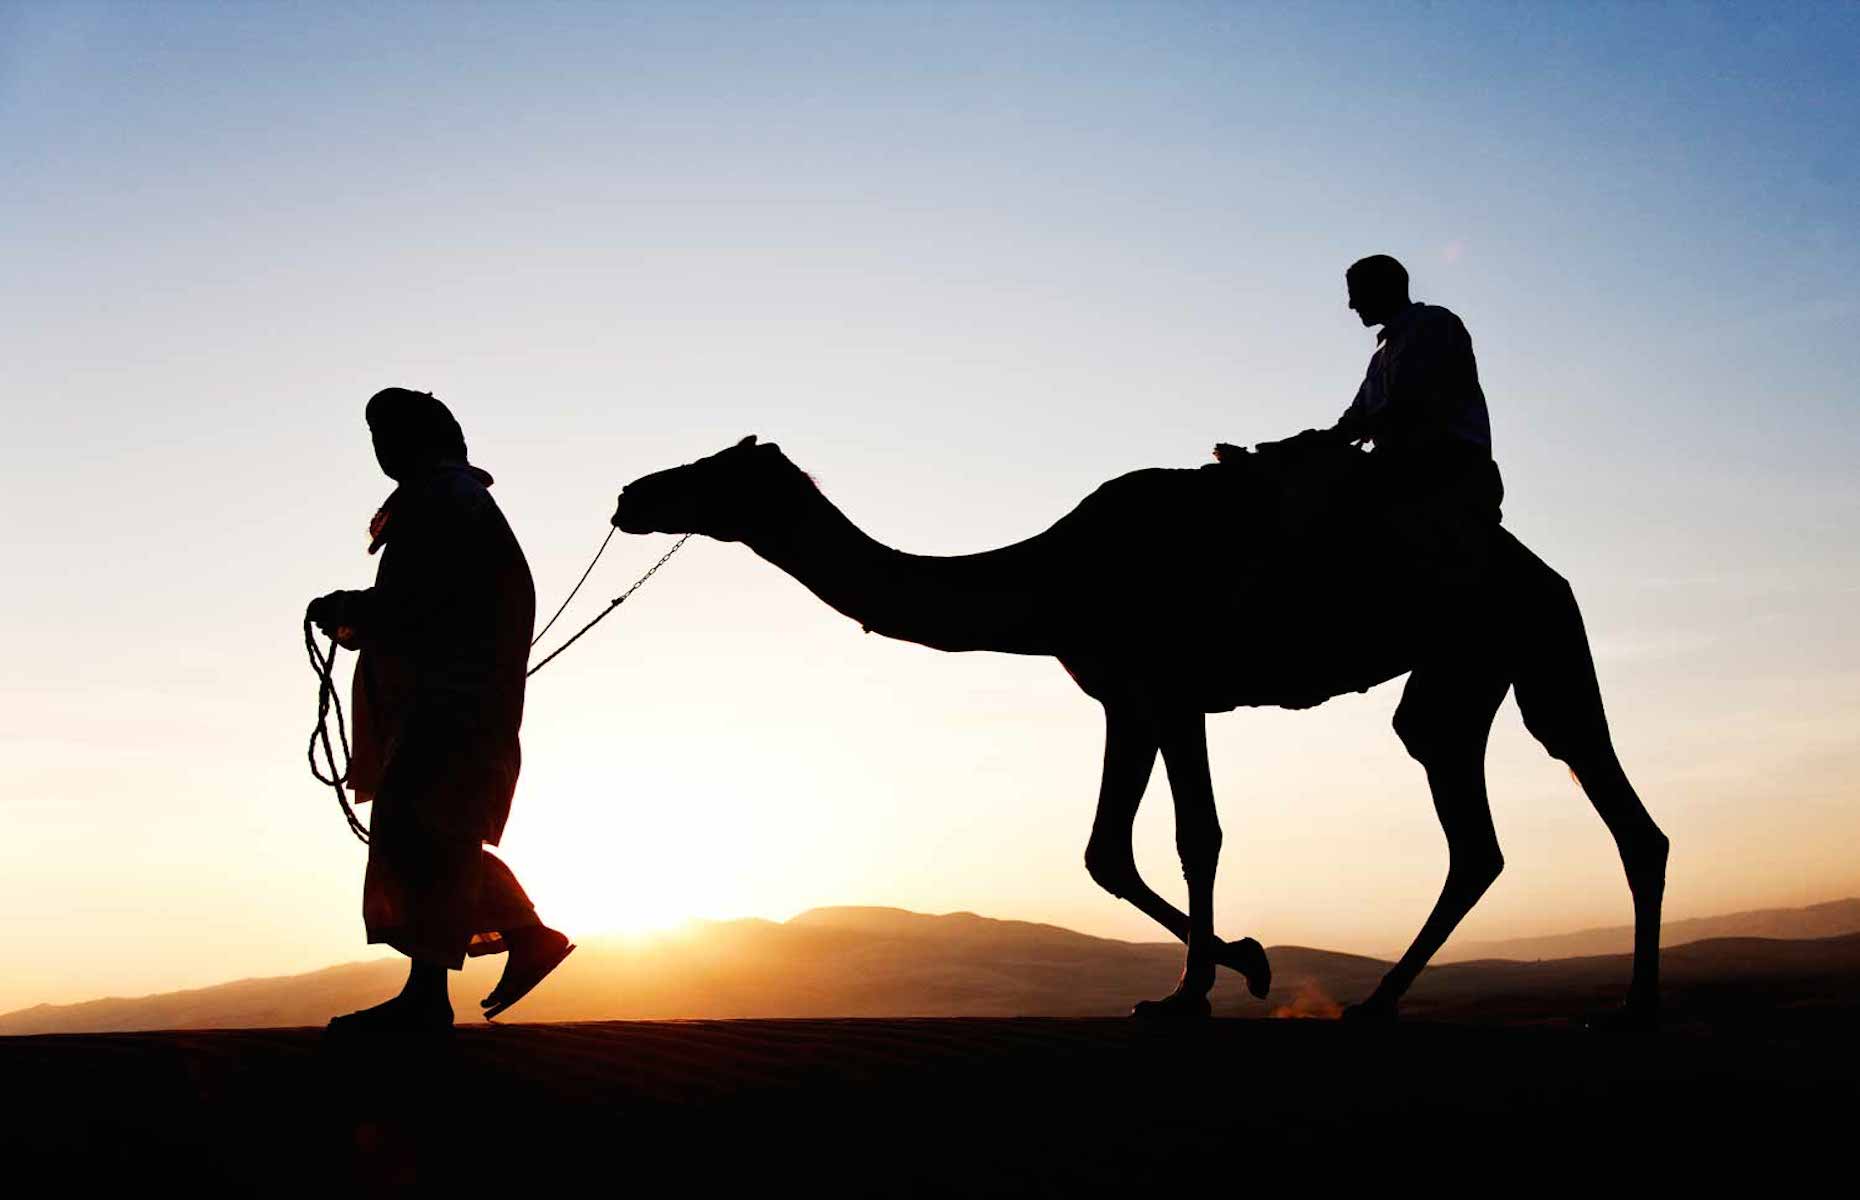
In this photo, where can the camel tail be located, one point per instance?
(1553, 670)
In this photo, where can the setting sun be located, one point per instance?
(1171, 514)
(621, 889)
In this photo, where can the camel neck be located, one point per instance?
(967, 602)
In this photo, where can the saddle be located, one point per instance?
(1358, 564)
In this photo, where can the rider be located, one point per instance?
(1420, 403)
(1429, 480)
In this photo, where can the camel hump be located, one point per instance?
(1143, 483)
(1165, 501)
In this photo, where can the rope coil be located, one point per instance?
(328, 700)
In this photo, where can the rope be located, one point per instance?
(328, 700)
(616, 602)
(611, 530)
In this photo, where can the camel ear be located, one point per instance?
(748, 441)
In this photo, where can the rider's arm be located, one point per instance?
(1353, 425)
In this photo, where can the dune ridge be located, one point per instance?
(878, 962)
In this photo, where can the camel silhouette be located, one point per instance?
(1167, 594)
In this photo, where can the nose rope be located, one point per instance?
(329, 700)
(616, 602)
(611, 530)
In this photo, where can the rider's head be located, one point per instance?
(413, 432)
(1378, 288)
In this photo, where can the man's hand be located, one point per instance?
(328, 614)
(1302, 443)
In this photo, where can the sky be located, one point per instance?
(963, 263)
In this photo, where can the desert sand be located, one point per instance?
(931, 1107)
(1491, 1085)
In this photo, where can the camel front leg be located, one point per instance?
(1130, 747)
(1184, 744)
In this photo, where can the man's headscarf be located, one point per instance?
(416, 424)
(418, 429)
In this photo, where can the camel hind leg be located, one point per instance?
(1561, 703)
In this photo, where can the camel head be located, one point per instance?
(730, 495)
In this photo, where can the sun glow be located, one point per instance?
(585, 886)
(593, 871)
(584, 898)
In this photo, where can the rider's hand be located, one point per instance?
(1301, 443)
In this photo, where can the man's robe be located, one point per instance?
(444, 637)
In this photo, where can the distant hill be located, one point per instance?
(871, 962)
(1832, 919)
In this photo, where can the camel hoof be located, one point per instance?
(1178, 1008)
(1248, 957)
(1370, 1012)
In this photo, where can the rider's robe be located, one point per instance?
(444, 637)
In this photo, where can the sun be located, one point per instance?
(593, 870)
(588, 893)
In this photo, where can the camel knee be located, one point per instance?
(1426, 737)
(1198, 844)
(1644, 852)
(1472, 871)
(1572, 737)
(1113, 869)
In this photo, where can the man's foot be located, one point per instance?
(1249, 958)
(402, 1014)
(532, 956)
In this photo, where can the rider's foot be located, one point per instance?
(1249, 958)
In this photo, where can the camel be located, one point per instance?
(1155, 595)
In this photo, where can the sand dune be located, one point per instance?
(873, 962)
(1490, 1076)
(1831, 919)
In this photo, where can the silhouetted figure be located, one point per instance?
(1423, 507)
(1429, 482)
(1149, 595)
(444, 637)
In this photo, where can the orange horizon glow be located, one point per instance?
(963, 264)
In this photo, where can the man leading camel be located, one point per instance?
(444, 637)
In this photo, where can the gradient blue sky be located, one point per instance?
(963, 262)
